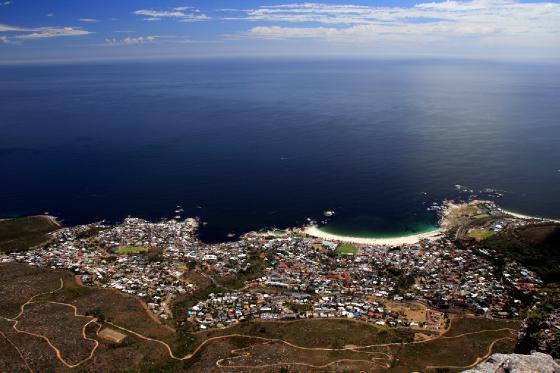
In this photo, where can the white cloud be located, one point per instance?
(160, 13)
(4, 3)
(43, 32)
(182, 13)
(503, 13)
(277, 32)
(53, 32)
(8, 28)
(489, 19)
(50, 14)
(88, 20)
(131, 40)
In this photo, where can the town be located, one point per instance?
(292, 275)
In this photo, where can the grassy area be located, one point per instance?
(346, 248)
(480, 234)
(451, 354)
(461, 214)
(333, 333)
(448, 353)
(462, 325)
(132, 250)
(23, 233)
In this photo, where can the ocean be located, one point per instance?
(253, 144)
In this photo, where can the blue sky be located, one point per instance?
(45, 30)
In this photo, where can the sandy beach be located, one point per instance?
(314, 231)
(521, 216)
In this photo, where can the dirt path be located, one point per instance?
(379, 361)
(477, 360)
(269, 340)
(22, 307)
(18, 351)
(153, 316)
(45, 338)
(58, 354)
(240, 354)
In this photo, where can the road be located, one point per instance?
(379, 359)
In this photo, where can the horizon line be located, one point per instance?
(294, 57)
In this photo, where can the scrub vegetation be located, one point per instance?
(23, 233)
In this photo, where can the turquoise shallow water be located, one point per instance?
(413, 229)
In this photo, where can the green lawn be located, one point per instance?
(132, 250)
(346, 248)
(481, 234)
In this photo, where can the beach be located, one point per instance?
(314, 231)
(522, 216)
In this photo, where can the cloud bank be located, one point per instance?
(131, 40)
(42, 32)
(512, 29)
(182, 14)
(477, 18)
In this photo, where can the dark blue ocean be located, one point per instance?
(253, 144)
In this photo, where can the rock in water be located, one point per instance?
(537, 362)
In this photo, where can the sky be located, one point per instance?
(67, 30)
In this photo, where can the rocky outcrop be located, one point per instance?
(540, 331)
(537, 362)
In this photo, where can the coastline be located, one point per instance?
(314, 231)
(53, 220)
(528, 217)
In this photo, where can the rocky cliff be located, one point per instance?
(537, 362)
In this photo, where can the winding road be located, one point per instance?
(379, 359)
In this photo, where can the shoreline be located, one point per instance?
(314, 231)
(52, 219)
(528, 217)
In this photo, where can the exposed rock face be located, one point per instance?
(537, 362)
(540, 334)
(540, 330)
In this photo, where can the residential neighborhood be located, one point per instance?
(298, 276)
